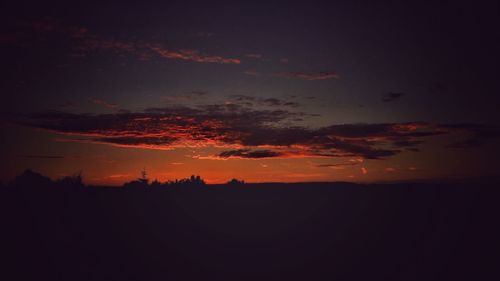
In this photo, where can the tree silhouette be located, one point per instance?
(141, 182)
(144, 177)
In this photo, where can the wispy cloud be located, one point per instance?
(308, 76)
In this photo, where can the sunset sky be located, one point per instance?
(359, 91)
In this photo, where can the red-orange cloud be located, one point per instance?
(90, 42)
(244, 132)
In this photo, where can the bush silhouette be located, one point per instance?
(75, 180)
(193, 181)
(235, 182)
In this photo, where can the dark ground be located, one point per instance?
(330, 231)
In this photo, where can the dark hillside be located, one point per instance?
(334, 231)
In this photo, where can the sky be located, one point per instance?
(362, 91)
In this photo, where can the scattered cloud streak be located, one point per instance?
(308, 76)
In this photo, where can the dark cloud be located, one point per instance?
(250, 154)
(392, 96)
(246, 131)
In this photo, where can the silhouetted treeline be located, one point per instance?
(30, 178)
(143, 182)
(34, 179)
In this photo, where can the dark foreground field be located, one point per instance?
(252, 232)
